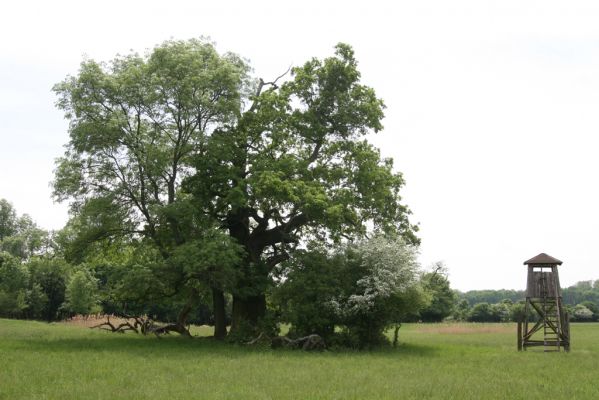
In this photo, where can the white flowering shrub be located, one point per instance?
(582, 313)
(363, 288)
(383, 289)
(388, 268)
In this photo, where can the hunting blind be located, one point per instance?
(551, 326)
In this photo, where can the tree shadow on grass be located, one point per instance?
(126, 344)
(130, 344)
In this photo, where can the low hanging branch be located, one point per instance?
(136, 326)
(139, 324)
(146, 325)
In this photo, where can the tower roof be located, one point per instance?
(543, 258)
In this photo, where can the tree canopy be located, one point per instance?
(296, 166)
(135, 124)
(221, 175)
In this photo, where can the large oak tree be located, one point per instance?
(296, 166)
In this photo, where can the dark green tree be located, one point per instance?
(36, 301)
(483, 312)
(14, 279)
(312, 279)
(51, 276)
(296, 167)
(461, 310)
(81, 294)
(436, 283)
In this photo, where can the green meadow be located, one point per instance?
(433, 361)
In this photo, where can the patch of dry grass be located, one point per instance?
(463, 328)
(89, 321)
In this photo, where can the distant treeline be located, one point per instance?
(491, 296)
(575, 294)
(581, 301)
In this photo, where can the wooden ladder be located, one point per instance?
(551, 318)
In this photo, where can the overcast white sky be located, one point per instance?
(492, 108)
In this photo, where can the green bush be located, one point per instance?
(361, 288)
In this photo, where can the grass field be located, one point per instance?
(439, 361)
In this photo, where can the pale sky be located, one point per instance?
(492, 108)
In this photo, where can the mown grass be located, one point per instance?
(55, 361)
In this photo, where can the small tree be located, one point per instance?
(8, 219)
(436, 283)
(36, 301)
(20, 236)
(82, 294)
(14, 279)
(483, 312)
(461, 310)
(51, 276)
(518, 312)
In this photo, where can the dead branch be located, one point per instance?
(306, 343)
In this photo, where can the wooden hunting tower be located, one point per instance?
(543, 295)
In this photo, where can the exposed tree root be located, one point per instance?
(307, 343)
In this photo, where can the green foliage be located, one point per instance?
(483, 312)
(511, 306)
(267, 164)
(14, 279)
(297, 158)
(296, 167)
(20, 236)
(36, 301)
(51, 276)
(210, 258)
(518, 312)
(81, 295)
(32, 289)
(581, 292)
(443, 298)
(363, 288)
(491, 296)
(135, 124)
(461, 310)
(312, 279)
(8, 219)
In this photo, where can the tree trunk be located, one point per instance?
(181, 325)
(220, 322)
(247, 310)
